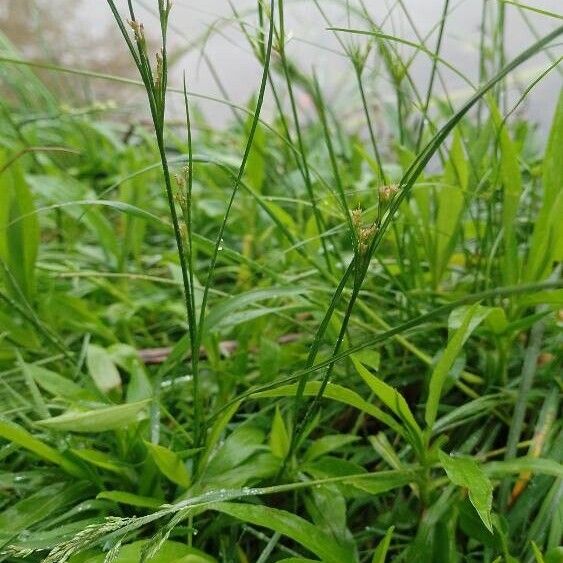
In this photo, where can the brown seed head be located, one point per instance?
(357, 218)
(138, 30)
(387, 193)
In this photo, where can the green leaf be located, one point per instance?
(19, 230)
(546, 245)
(537, 553)
(170, 552)
(450, 203)
(327, 444)
(98, 420)
(523, 464)
(386, 450)
(326, 506)
(279, 438)
(243, 442)
(381, 550)
(392, 399)
(256, 163)
(56, 384)
(102, 369)
(130, 499)
(37, 507)
(383, 481)
(216, 431)
(512, 189)
(438, 378)
(466, 472)
(127, 358)
(282, 217)
(101, 460)
(67, 195)
(496, 320)
(269, 358)
(369, 358)
(554, 555)
(40, 405)
(292, 526)
(18, 435)
(221, 315)
(336, 393)
(549, 297)
(169, 464)
(257, 467)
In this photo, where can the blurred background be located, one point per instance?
(209, 46)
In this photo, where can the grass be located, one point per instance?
(294, 339)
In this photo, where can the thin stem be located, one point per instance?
(238, 180)
(432, 74)
(526, 380)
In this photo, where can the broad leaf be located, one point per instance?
(466, 472)
(169, 464)
(102, 369)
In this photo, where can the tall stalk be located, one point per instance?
(432, 74)
(360, 267)
(219, 242)
(156, 87)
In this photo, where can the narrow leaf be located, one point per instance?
(547, 241)
(279, 437)
(19, 230)
(446, 361)
(380, 553)
(391, 398)
(18, 435)
(292, 526)
(98, 420)
(123, 497)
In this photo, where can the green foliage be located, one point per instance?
(465, 472)
(256, 343)
(19, 230)
(169, 464)
(546, 246)
(100, 419)
(292, 526)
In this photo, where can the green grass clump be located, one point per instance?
(294, 339)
